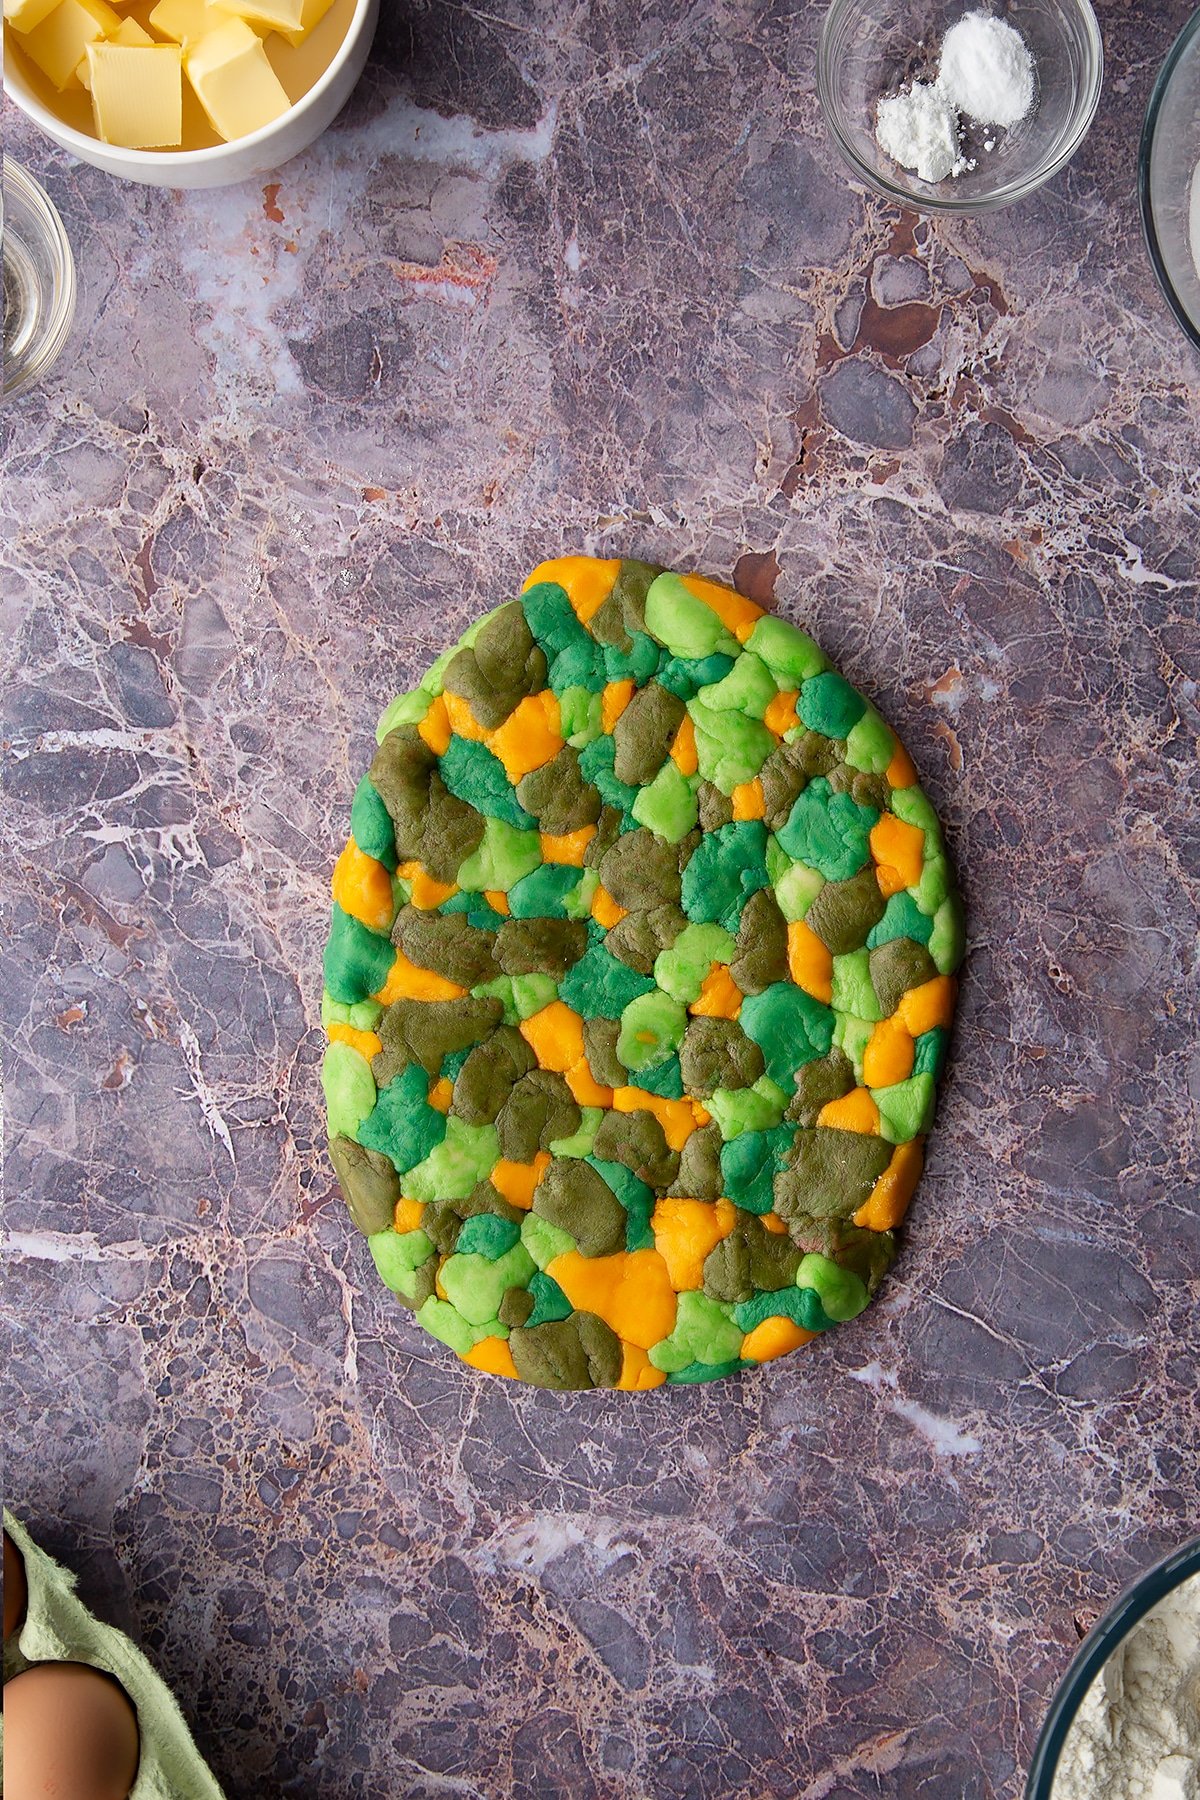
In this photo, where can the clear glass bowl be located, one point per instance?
(1094, 1652)
(39, 281)
(871, 47)
(1169, 178)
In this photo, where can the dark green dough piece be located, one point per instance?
(896, 967)
(784, 777)
(489, 1075)
(790, 1026)
(695, 1372)
(639, 937)
(817, 1083)
(637, 1140)
(424, 1031)
(641, 871)
(715, 808)
(573, 1196)
(540, 946)
(902, 917)
(499, 669)
(665, 1078)
(549, 1301)
(644, 733)
(716, 1053)
(830, 705)
(930, 1054)
(451, 833)
(600, 1047)
(516, 1307)
(727, 867)
(401, 771)
(540, 894)
(371, 824)
(623, 612)
(750, 1259)
(829, 1174)
(369, 1184)
(762, 944)
(686, 675)
(540, 1110)
(596, 765)
(863, 788)
(845, 911)
(447, 943)
(798, 1304)
(578, 1352)
(699, 1175)
(442, 1220)
(558, 795)
(608, 830)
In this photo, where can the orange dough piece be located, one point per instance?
(441, 1094)
(587, 581)
(781, 714)
(516, 1181)
(493, 1356)
(426, 892)
(605, 910)
(683, 749)
(529, 736)
(435, 727)
(613, 701)
(855, 1111)
(497, 899)
(720, 997)
(898, 849)
(408, 1214)
(677, 1117)
(638, 1373)
(888, 1057)
(748, 800)
(568, 847)
(900, 772)
(685, 1231)
(774, 1337)
(362, 887)
(463, 722)
(928, 1005)
(810, 964)
(735, 612)
(889, 1198)
(365, 1042)
(408, 982)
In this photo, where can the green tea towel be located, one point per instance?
(59, 1628)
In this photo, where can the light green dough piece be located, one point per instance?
(870, 745)
(796, 889)
(365, 1015)
(948, 940)
(913, 805)
(504, 855)
(934, 885)
(432, 680)
(543, 1240)
(852, 989)
(684, 624)
(500, 989)
(531, 993)
(668, 804)
(476, 1285)
(405, 709)
(446, 1323)
(581, 1143)
(730, 748)
(652, 1025)
(577, 901)
(755, 1108)
(333, 1012)
(852, 1037)
(788, 652)
(581, 716)
(842, 1293)
(905, 1110)
(680, 970)
(465, 1155)
(704, 1332)
(749, 688)
(398, 1255)
(349, 1089)
(777, 859)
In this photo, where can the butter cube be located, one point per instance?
(59, 44)
(23, 15)
(137, 94)
(311, 13)
(129, 33)
(186, 21)
(294, 19)
(234, 82)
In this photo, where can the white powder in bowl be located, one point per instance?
(920, 130)
(1137, 1734)
(986, 70)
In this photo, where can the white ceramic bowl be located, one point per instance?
(219, 165)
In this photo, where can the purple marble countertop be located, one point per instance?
(569, 278)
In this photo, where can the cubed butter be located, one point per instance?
(137, 94)
(129, 33)
(59, 44)
(186, 21)
(293, 19)
(234, 81)
(311, 14)
(23, 15)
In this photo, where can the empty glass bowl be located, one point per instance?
(1169, 178)
(39, 281)
(870, 48)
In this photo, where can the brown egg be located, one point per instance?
(15, 1591)
(68, 1731)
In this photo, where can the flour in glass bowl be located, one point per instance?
(985, 73)
(1137, 1734)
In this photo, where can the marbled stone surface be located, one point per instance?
(592, 277)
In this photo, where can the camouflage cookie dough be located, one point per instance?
(638, 986)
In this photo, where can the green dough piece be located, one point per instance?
(754, 1108)
(796, 889)
(543, 1240)
(684, 624)
(575, 1198)
(540, 946)
(540, 1108)
(843, 912)
(504, 855)
(608, 830)
(349, 1088)
(762, 944)
(750, 1163)
(596, 765)
(730, 748)
(817, 1083)
(636, 1198)
(580, 715)
(791, 656)
(466, 1155)
(551, 618)
(581, 664)
(704, 1333)
(637, 1140)
(716, 1053)
(685, 675)
(896, 967)
(474, 774)
(541, 895)
(424, 1031)
(750, 1259)
(948, 939)
(748, 688)
(726, 869)
(870, 744)
(665, 1078)
(829, 1174)
(558, 795)
(643, 734)
(565, 1354)
(853, 990)
(623, 613)
(518, 1306)
(668, 805)
(802, 1305)
(446, 943)
(713, 808)
(366, 1015)
(499, 669)
(601, 986)
(334, 1012)
(581, 1141)
(682, 969)
(652, 1026)
(475, 1285)
(789, 1026)
(697, 1372)
(489, 1075)
(357, 961)
(914, 806)
(486, 1234)
(446, 1323)
(640, 871)
(841, 1292)
(638, 664)
(902, 917)
(640, 937)
(549, 1301)
(368, 1182)
(600, 1047)
(443, 1219)
(405, 709)
(930, 1054)
(830, 705)
(828, 831)
(403, 1126)
(699, 1175)
(905, 1110)
(371, 824)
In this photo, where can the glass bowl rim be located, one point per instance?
(1158, 94)
(58, 324)
(1131, 1605)
(979, 203)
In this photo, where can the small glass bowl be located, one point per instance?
(39, 281)
(1169, 178)
(870, 48)
(1104, 1637)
